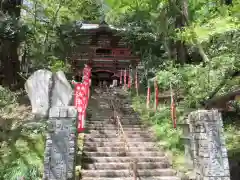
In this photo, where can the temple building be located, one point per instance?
(102, 46)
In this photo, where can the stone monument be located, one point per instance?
(38, 88)
(51, 96)
(60, 149)
(208, 145)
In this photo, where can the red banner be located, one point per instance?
(81, 97)
(129, 80)
(125, 78)
(173, 111)
(79, 102)
(121, 77)
(136, 81)
(156, 94)
(148, 96)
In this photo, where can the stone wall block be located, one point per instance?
(59, 162)
(208, 145)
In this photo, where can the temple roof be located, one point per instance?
(90, 26)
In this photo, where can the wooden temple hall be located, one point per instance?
(102, 46)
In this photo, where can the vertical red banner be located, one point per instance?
(136, 81)
(79, 104)
(121, 74)
(148, 96)
(156, 94)
(125, 78)
(173, 110)
(81, 97)
(129, 80)
(87, 84)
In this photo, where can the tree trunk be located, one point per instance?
(7, 64)
(9, 48)
(181, 49)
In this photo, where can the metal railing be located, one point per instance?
(120, 132)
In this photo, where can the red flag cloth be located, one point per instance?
(136, 80)
(87, 82)
(80, 127)
(77, 94)
(81, 97)
(148, 97)
(87, 74)
(121, 77)
(129, 80)
(156, 94)
(87, 71)
(80, 100)
(173, 111)
(125, 77)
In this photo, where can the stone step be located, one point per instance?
(110, 125)
(131, 178)
(122, 159)
(124, 116)
(113, 132)
(106, 118)
(121, 154)
(114, 128)
(113, 144)
(117, 149)
(117, 166)
(126, 173)
(108, 122)
(104, 156)
(99, 135)
(117, 139)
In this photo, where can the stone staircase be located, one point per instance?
(103, 151)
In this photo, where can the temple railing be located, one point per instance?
(116, 118)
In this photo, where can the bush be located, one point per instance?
(6, 97)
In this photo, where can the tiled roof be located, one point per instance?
(86, 26)
(89, 26)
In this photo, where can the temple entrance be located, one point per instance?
(102, 76)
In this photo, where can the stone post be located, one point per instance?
(208, 145)
(61, 140)
(186, 140)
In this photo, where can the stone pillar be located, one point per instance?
(61, 140)
(208, 145)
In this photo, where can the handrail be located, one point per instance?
(116, 116)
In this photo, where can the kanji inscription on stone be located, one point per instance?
(208, 145)
(60, 148)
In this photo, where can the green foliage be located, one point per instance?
(24, 158)
(57, 65)
(197, 81)
(12, 29)
(22, 147)
(44, 19)
(232, 135)
(21, 150)
(21, 160)
(6, 97)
